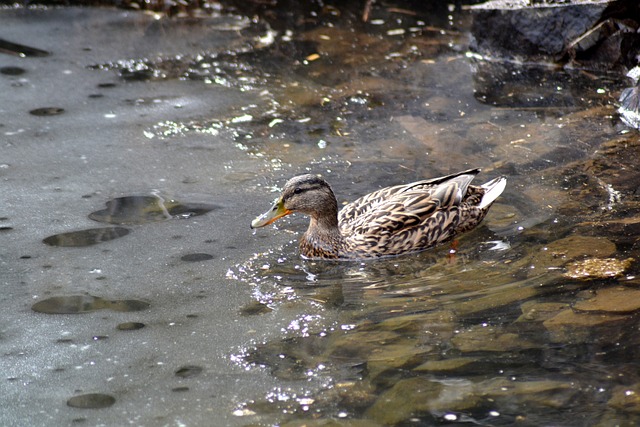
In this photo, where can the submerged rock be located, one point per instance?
(617, 300)
(597, 268)
(534, 311)
(393, 357)
(446, 365)
(488, 338)
(626, 398)
(570, 327)
(549, 393)
(561, 251)
(416, 396)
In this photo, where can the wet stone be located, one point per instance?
(441, 322)
(546, 393)
(12, 71)
(47, 111)
(254, 308)
(489, 338)
(197, 257)
(189, 371)
(618, 300)
(88, 237)
(597, 268)
(446, 365)
(359, 343)
(494, 301)
(534, 311)
(91, 401)
(415, 396)
(390, 358)
(559, 252)
(570, 327)
(506, 28)
(147, 209)
(75, 304)
(626, 398)
(130, 326)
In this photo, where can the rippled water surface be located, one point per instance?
(187, 129)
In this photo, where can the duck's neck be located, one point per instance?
(323, 238)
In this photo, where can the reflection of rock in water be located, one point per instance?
(86, 237)
(145, 209)
(75, 304)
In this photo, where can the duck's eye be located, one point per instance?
(297, 190)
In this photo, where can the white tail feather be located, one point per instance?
(493, 188)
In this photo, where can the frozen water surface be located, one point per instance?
(58, 169)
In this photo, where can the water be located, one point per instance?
(187, 129)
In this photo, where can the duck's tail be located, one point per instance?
(493, 189)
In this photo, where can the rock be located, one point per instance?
(352, 394)
(554, 394)
(561, 251)
(446, 365)
(442, 321)
(534, 30)
(534, 311)
(414, 396)
(489, 338)
(517, 41)
(618, 300)
(626, 398)
(393, 357)
(515, 28)
(626, 230)
(597, 268)
(495, 300)
(358, 344)
(570, 327)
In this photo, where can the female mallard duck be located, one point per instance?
(391, 221)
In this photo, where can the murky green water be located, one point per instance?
(533, 320)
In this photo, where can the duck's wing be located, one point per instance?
(416, 217)
(410, 198)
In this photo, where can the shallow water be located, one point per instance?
(186, 129)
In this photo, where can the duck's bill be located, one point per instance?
(277, 211)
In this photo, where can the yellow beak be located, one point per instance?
(277, 211)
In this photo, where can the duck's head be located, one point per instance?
(307, 194)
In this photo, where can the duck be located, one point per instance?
(391, 221)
